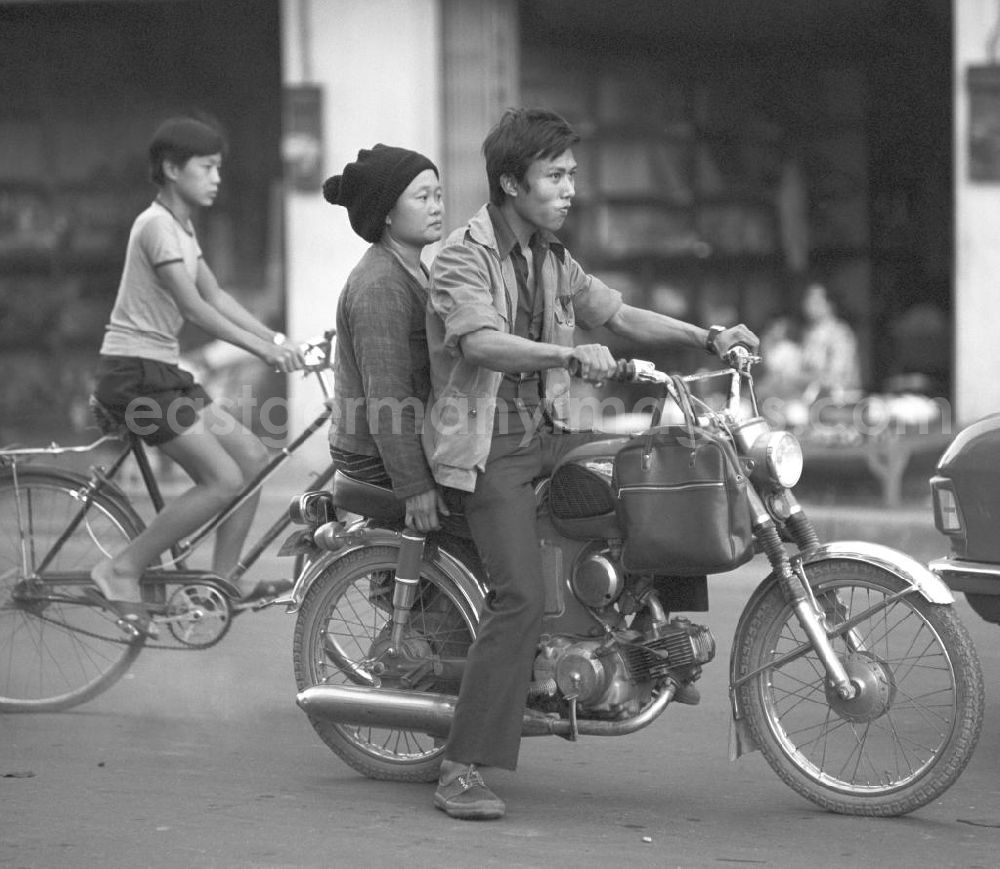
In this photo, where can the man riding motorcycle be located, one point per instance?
(505, 299)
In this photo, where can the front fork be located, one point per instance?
(795, 587)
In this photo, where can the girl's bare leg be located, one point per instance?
(217, 478)
(250, 455)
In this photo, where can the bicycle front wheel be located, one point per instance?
(56, 648)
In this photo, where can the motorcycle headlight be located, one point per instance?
(781, 454)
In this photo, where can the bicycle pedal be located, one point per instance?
(127, 627)
(254, 605)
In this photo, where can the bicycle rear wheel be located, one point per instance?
(56, 648)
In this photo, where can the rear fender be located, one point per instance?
(437, 553)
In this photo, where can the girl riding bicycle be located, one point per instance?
(165, 283)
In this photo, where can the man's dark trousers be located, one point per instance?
(501, 513)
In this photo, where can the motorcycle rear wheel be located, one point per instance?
(906, 737)
(341, 636)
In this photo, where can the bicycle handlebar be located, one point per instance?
(318, 352)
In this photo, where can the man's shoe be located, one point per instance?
(467, 798)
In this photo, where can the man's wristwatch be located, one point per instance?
(279, 338)
(713, 333)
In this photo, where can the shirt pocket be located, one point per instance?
(564, 310)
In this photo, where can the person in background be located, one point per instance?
(830, 365)
(394, 201)
(806, 359)
(165, 283)
(506, 300)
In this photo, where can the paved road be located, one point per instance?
(203, 760)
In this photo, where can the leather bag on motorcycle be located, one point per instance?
(682, 499)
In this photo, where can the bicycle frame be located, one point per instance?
(101, 478)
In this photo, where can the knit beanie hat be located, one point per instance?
(369, 187)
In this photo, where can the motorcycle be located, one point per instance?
(964, 494)
(850, 670)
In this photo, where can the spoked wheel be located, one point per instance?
(56, 648)
(907, 735)
(342, 638)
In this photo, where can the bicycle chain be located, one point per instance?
(123, 642)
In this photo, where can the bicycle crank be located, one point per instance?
(198, 616)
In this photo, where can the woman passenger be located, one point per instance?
(393, 200)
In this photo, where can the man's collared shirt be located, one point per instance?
(473, 287)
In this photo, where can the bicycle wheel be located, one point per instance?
(342, 636)
(56, 649)
(907, 735)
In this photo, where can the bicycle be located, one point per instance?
(59, 646)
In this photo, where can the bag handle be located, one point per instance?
(677, 388)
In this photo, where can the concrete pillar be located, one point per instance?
(977, 230)
(481, 78)
(378, 64)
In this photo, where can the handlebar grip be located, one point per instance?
(625, 372)
(740, 356)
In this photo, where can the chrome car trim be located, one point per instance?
(975, 577)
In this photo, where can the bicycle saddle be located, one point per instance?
(107, 420)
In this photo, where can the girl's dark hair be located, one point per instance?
(517, 139)
(180, 139)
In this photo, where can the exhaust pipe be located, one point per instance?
(360, 706)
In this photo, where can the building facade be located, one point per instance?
(728, 151)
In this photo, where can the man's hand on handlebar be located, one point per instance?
(734, 336)
(592, 362)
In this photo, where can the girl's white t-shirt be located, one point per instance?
(145, 320)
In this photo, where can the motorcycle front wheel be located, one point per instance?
(914, 723)
(342, 638)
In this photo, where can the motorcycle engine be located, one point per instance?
(612, 677)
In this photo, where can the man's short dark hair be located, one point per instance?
(180, 139)
(519, 138)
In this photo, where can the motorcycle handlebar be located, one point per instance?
(641, 371)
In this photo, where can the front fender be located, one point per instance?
(920, 578)
(931, 587)
(436, 552)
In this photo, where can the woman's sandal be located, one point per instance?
(132, 615)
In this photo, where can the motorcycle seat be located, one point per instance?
(367, 499)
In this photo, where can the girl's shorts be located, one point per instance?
(154, 400)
